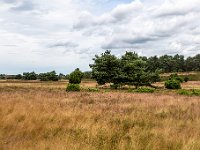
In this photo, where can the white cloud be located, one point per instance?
(59, 34)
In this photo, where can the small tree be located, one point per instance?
(105, 68)
(74, 80)
(76, 76)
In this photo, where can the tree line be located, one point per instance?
(48, 76)
(132, 69)
(120, 67)
(176, 63)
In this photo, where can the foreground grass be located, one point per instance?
(50, 118)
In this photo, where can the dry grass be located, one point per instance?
(44, 116)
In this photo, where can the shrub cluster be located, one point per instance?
(73, 87)
(174, 82)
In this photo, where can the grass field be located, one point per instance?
(42, 116)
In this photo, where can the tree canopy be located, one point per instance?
(129, 69)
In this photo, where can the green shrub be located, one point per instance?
(144, 90)
(173, 84)
(93, 90)
(196, 92)
(76, 76)
(186, 78)
(176, 77)
(73, 87)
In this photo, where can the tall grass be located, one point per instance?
(43, 118)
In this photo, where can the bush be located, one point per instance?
(186, 79)
(144, 90)
(73, 87)
(76, 76)
(173, 84)
(176, 77)
(196, 92)
(93, 90)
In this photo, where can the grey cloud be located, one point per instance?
(139, 40)
(64, 44)
(24, 6)
(9, 1)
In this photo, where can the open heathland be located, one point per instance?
(42, 115)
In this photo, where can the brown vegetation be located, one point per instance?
(44, 116)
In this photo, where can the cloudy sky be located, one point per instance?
(61, 35)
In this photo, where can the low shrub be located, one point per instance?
(184, 92)
(196, 92)
(186, 78)
(176, 77)
(93, 90)
(193, 92)
(144, 90)
(173, 84)
(73, 87)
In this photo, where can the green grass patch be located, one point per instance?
(143, 90)
(92, 89)
(193, 92)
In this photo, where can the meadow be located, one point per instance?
(43, 116)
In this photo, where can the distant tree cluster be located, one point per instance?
(176, 63)
(49, 76)
(29, 76)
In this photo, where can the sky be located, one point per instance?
(61, 35)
